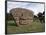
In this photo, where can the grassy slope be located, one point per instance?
(35, 27)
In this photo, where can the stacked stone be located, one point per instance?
(22, 16)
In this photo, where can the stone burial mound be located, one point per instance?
(22, 16)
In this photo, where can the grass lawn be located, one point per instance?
(36, 26)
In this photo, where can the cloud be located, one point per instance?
(35, 7)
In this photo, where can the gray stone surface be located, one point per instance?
(22, 16)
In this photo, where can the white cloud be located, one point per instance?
(35, 7)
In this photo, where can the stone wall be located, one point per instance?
(22, 16)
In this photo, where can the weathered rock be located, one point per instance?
(22, 16)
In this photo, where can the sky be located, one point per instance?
(35, 7)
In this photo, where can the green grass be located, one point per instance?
(36, 26)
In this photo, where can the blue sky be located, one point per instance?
(35, 7)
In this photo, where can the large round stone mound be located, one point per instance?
(22, 16)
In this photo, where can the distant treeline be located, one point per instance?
(9, 16)
(40, 16)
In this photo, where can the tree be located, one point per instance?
(44, 16)
(40, 17)
(9, 16)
